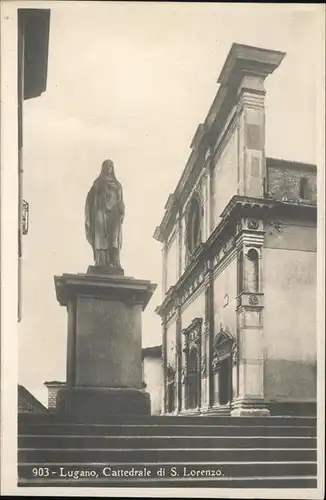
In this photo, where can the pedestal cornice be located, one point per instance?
(127, 289)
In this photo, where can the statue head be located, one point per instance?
(107, 168)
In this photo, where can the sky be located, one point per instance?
(131, 82)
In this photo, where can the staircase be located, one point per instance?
(167, 451)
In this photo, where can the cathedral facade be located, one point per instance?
(239, 262)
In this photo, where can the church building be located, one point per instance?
(239, 262)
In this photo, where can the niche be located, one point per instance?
(240, 272)
(252, 270)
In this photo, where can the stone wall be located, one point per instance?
(283, 182)
(225, 176)
(154, 380)
(225, 292)
(194, 308)
(289, 265)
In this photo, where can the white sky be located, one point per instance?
(131, 82)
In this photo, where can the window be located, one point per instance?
(193, 225)
(304, 188)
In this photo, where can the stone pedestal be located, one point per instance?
(104, 359)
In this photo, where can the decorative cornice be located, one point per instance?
(194, 326)
(200, 131)
(243, 59)
(54, 383)
(125, 289)
(246, 205)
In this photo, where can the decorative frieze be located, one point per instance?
(250, 230)
(252, 224)
(253, 300)
(275, 226)
(190, 288)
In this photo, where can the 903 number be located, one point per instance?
(40, 471)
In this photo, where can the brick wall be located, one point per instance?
(53, 388)
(283, 182)
(52, 397)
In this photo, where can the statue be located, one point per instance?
(104, 214)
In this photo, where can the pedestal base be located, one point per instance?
(99, 404)
(249, 408)
(221, 410)
(105, 270)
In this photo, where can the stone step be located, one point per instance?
(306, 482)
(166, 430)
(171, 470)
(159, 455)
(177, 420)
(131, 442)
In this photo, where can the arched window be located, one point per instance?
(304, 188)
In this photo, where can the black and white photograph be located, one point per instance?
(162, 249)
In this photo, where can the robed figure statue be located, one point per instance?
(104, 214)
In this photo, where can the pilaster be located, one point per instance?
(250, 304)
(251, 118)
(207, 335)
(178, 361)
(164, 361)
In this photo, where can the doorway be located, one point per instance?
(193, 380)
(225, 381)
